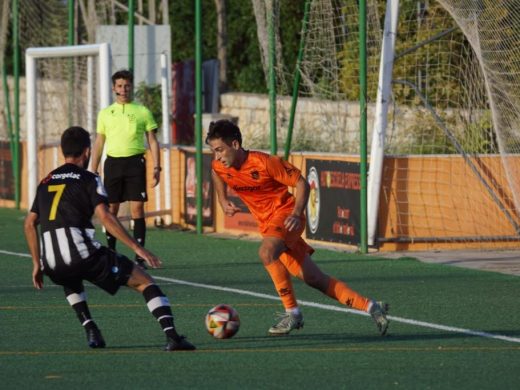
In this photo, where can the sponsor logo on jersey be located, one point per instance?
(47, 179)
(68, 175)
(246, 188)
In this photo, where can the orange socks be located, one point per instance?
(336, 289)
(282, 283)
(343, 294)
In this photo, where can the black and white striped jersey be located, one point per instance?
(65, 203)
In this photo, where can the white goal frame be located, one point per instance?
(102, 51)
(377, 151)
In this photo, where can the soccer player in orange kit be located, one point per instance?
(262, 182)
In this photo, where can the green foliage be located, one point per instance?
(349, 56)
(244, 62)
(302, 142)
(424, 136)
(434, 67)
(439, 72)
(245, 72)
(150, 97)
(182, 22)
(291, 18)
(478, 137)
(39, 24)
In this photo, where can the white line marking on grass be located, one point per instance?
(15, 253)
(328, 307)
(346, 310)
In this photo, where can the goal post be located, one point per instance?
(443, 108)
(32, 55)
(384, 89)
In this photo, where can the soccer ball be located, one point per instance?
(222, 321)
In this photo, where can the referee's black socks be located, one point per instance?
(140, 230)
(139, 234)
(111, 241)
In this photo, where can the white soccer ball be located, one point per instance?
(222, 321)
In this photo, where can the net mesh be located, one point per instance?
(455, 87)
(329, 76)
(493, 31)
(62, 89)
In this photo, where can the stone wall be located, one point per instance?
(318, 126)
(326, 126)
(322, 126)
(53, 100)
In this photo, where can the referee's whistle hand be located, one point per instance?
(156, 178)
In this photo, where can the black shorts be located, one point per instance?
(125, 178)
(105, 268)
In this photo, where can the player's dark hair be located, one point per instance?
(224, 129)
(74, 140)
(123, 74)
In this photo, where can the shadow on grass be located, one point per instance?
(345, 340)
(324, 342)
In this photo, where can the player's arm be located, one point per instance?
(302, 191)
(287, 174)
(97, 151)
(31, 236)
(151, 138)
(115, 228)
(228, 207)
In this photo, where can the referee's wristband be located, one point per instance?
(157, 169)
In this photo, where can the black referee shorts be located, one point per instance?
(105, 268)
(125, 178)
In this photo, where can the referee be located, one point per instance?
(123, 126)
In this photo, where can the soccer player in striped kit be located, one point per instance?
(65, 202)
(262, 182)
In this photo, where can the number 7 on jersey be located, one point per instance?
(58, 189)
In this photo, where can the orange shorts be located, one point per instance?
(297, 248)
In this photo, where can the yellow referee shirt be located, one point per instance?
(124, 126)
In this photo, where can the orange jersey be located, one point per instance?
(262, 183)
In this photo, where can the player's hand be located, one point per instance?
(230, 209)
(152, 260)
(292, 222)
(37, 277)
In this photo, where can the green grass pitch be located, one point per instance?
(450, 328)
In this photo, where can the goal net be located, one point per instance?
(61, 92)
(452, 135)
(455, 110)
